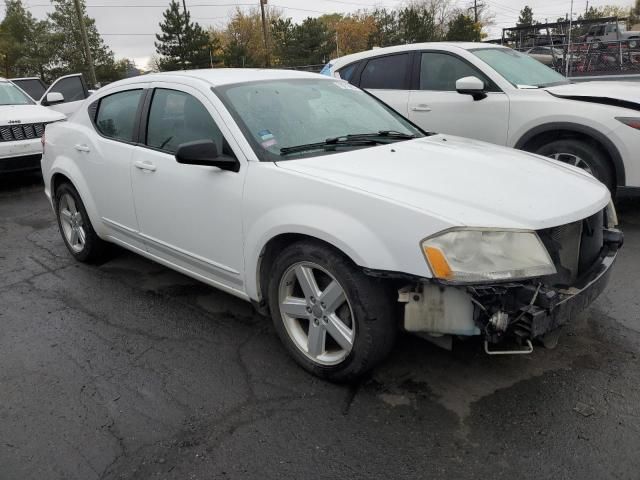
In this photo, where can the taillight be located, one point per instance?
(633, 122)
(42, 140)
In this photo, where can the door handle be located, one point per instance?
(421, 108)
(81, 147)
(146, 166)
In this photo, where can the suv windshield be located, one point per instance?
(12, 95)
(294, 118)
(519, 69)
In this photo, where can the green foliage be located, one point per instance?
(183, 44)
(463, 28)
(25, 43)
(526, 17)
(68, 52)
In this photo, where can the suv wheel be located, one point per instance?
(583, 155)
(335, 321)
(76, 229)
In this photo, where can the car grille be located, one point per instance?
(574, 247)
(12, 133)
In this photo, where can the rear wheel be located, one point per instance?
(334, 320)
(582, 155)
(76, 229)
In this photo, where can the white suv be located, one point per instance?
(498, 95)
(315, 201)
(22, 123)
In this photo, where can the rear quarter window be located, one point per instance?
(117, 115)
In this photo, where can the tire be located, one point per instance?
(581, 154)
(364, 310)
(84, 244)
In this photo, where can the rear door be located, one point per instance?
(436, 106)
(74, 90)
(388, 78)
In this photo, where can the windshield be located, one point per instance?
(519, 69)
(12, 95)
(279, 114)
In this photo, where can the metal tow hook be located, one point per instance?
(525, 351)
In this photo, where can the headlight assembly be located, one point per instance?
(484, 255)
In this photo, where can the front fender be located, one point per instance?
(330, 225)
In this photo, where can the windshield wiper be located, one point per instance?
(351, 140)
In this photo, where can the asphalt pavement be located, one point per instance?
(128, 370)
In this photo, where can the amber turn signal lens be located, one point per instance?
(438, 263)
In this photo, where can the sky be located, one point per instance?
(128, 26)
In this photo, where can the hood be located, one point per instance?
(465, 182)
(623, 94)
(28, 114)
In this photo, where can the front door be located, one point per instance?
(189, 215)
(73, 89)
(438, 107)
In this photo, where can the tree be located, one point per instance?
(386, 32)
(417, 24)
(243, 43)
(526, 17)
(463, 28)
(25, 47)
(67, 50)
(353, 32)
(183, 44)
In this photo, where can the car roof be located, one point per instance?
(444, 46)
(223, 76)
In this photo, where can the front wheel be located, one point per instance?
(582, 155)
(334, 320)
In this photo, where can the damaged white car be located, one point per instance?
(329, 211)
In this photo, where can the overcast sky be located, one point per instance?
(128, 26)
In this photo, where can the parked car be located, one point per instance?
(546, 55)
(499, 95)
(600, 34)
(64, 95)
(321, 205)
(22, 123)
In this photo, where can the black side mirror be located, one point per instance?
(205, 152)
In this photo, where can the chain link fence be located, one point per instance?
(590, 59)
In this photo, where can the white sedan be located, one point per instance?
(325, 208)
(495, 94)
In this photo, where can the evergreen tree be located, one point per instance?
(182, 44)
(526, 17)
(463, 28)
(68, 48)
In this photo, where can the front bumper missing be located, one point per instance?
(507, 312)
(534, 309)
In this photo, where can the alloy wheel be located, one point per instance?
(572, 159)
(72, 223)
(316, 313)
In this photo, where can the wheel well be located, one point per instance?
(57, 180)
(270, 253)
(532, 143)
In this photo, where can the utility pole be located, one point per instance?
(264, 34)
(85, 40)
(586, 9)
(566, 73)
(337, 46)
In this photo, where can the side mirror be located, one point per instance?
(471, 86)
(53, 98)
(205, 152)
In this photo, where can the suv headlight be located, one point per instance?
(483, 255)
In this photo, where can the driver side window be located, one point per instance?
(440, 71)
(176, 117)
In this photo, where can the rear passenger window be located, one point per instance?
(347, 72)
(388, 72)
(176, 117)
(116, 115)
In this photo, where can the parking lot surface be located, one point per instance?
(130, 370)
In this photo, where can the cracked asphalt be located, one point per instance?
(128, 370)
